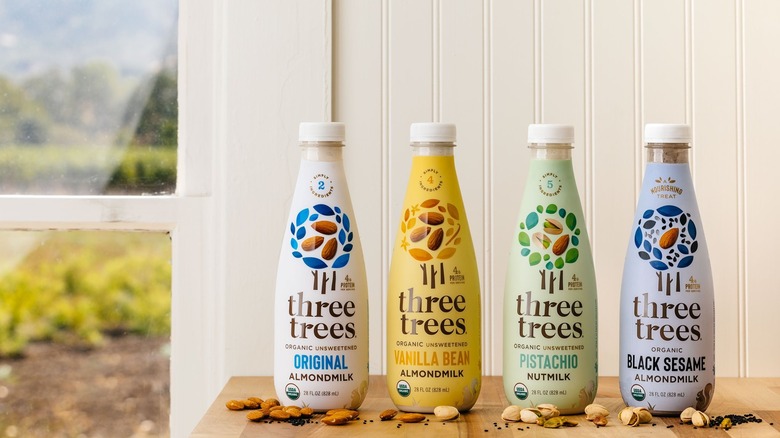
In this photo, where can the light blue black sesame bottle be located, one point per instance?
(667, 329)
(321, 301)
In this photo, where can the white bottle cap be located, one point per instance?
(432, 133)
(551, 133)
(321, 131)
(667, 133)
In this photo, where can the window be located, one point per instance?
(69, 195)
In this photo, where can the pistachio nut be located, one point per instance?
(548, 410)
(446, 413)
(629, 417)
(700, 419)
(530, 415)
(687, 414)
(512, 413)
(567, 422)
(595, 409)
(553, 423)
(644, 415)
(599, 420)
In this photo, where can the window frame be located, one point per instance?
(195, 367)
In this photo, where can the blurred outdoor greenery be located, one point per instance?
(77, 287)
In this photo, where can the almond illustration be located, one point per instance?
(329, 250)
(434, 240)
(669, 238)
(419, 233)
(312, 243)
(561, 244)
(325, 227)
(428, 203)
(432, 218)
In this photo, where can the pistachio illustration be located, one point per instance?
(551, 226)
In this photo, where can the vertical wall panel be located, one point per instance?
(411, 95)
(605, 66)
(263, 141)
(512, 110)
(714, 158)
(614, 149)
(462, 102)
(762, 155)
(563, 74)
(663, 61)
(357, 99)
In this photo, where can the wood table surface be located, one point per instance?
(759, 396)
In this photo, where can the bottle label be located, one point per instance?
(321, 357)
(550, 301)
(667, 330)
(434, 350)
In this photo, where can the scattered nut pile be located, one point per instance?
(546, 415)
(271, 410)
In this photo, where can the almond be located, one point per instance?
(428, 203)
(255, 415)
(669, 238)
(334, 420)
(434, 240)
(432, 218)
(307, 412)
(329, 250)
(325, 227)
(312, 243)
(561, 244)
(410, 418)
(419, 233)
(279, 414)
(387, 414)
(235, 405)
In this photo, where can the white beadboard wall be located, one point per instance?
(605, 66)
(492, 67)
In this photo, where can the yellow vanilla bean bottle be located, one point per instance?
(433, 298)
(321, 308)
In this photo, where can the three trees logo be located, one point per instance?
(549, 235)
(666, 238)
(430, 230)
(320, 234)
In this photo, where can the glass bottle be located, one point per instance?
(433, 309)
(667, 330)
(550, 300)
(321, 306)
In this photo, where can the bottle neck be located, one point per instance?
(670, 153)
(433, 149)
(321, 150)
(550, 151)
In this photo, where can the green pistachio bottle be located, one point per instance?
(550, 326)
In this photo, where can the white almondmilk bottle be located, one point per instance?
(667, 329)
(321, 305)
